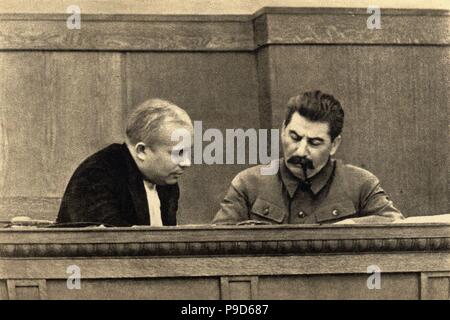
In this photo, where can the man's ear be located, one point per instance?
(335, 145)
(140, 149)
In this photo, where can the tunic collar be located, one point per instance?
(318, 181)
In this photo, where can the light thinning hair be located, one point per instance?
(146, 120)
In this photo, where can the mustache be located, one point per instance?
(303, 161)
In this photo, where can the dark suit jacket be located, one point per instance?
(108, 188)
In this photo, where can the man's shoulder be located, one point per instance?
(354, 175)
(108, 154)
(110, 158)
(259, 173)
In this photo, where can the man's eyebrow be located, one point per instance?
(309, 138)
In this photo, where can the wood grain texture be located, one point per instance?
(265, 85)
(27, 290)
(352, 286)
(218, 89)
(3, 290)
(239, 288)
(404, 286)
(352, 29)
(137, 289)
(199, 8)
(206, 233)
(201, 241)
(57, 108)
(223, 33)
(141, 17)
(125, 35)
(435, 285)
(263, 275)
(396, 102)
(41, 208)
(168, 267)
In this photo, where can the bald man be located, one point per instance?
(134, 183)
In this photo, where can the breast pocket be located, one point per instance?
(336, 211)
(265, 210)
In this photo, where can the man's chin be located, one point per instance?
(172, 180)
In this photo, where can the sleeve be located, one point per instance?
(91, 197)
(234, 208)
(375, 205)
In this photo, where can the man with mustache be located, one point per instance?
(310, 186)
(134, 183)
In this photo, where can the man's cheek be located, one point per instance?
(288, 150)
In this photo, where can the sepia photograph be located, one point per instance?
(193, 150)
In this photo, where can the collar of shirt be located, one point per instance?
(149, 185)
(318, 181)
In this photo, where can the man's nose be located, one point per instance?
(185, 162)
(302, 148)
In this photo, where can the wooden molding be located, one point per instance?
(29, 286)
(269, 26)
(397, 28)
(239, 288)
(348, 11)
(223, 266)
(209, 240)
(124, 33)
(427, 292)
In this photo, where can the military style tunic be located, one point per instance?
(339, 191)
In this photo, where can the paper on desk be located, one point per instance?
(442, 218)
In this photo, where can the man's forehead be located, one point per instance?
(303, 126)
(176, 130)
(173, 125)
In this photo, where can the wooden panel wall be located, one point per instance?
(74, 103)
(65, 93)
(227, 262)
(395, 286)
(56, 108)
(218, 89)
(396, 103)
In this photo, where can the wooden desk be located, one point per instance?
(204, 262)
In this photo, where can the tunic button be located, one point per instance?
(301, 214)
(266, 211)
(335, 213)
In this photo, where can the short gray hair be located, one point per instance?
(147, 118)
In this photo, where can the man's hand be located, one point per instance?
(374, 219)
(346, 221)
(252, 223)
